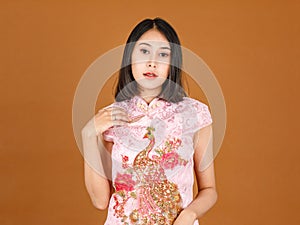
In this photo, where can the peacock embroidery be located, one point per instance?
(158, 200)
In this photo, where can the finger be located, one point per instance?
(119, 114)
(135, 118)
(119, 123)
(115, 109)
(123, 118)
(112, 110)
(120, 117)
(114, 115)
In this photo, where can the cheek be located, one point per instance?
(164, 69)
(136, 70)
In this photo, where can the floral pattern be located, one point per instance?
(159, 200)
(153, 183)
(124, 182)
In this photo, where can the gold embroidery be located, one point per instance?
(158, 199)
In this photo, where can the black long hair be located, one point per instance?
(172, 88)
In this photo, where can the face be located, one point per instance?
(150, 59)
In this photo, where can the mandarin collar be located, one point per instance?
(142, 105)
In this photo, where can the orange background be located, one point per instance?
(251, 46)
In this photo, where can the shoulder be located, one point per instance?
(194, 103)
(199, 110)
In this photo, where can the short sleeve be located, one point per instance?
(204, 119)
(203, 115)
(108, 135)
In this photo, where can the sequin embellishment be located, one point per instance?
(158, 200)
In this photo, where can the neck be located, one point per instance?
(148, 96)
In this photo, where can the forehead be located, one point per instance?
(154, 38)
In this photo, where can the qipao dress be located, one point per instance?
(152, 160)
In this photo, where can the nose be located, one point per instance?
(151, 61)
(151, 64)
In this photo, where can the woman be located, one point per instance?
(156, 137)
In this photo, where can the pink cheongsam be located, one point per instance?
(152, 160)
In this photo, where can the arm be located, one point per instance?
(207, 194)
(96, 182)
(97, 154)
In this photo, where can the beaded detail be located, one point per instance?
(158, 199)
(152, 184)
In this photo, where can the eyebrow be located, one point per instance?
(143, 43)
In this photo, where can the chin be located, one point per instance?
(148, 86)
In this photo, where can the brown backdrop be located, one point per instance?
(251, 46)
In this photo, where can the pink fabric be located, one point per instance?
(152, 160)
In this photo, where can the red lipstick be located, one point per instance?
(150, 75)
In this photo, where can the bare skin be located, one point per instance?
(97, 184)
(99, 187)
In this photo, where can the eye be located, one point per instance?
(163, 54)
(144, 51)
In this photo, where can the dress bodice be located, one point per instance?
(152, 160)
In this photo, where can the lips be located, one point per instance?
(150, 74)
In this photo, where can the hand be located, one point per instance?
(108, 117)
(185, 218)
